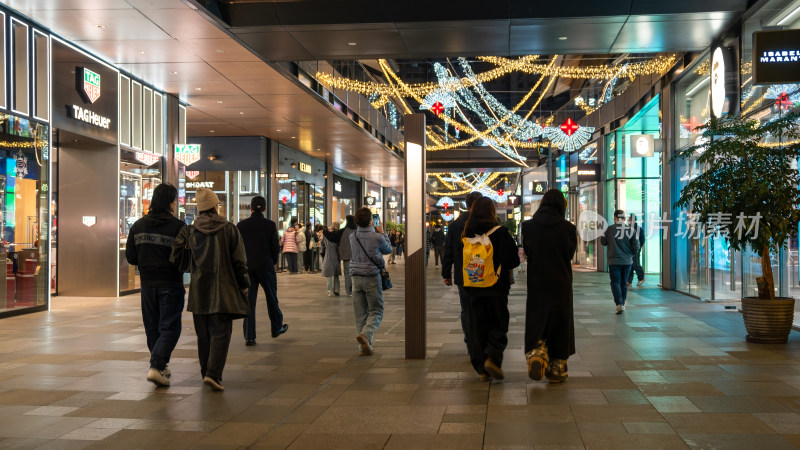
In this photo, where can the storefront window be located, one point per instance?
(24, 211)
(345, 198)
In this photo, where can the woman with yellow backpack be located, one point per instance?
(490, 256)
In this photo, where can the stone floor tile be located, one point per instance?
(782, 423)
(511, 435)
(716, 423)
(433, 442)
(360, 441)
(149, 439)
(379, 420)
(739, 403)
(51, 411)
(632, 441)
(648, 428)
(737, 441)
(90, 434)
(673, 404)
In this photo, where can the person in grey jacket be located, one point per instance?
(623, 244)
(368, 244)
(331, 268)
(219, 283)
(342, 239)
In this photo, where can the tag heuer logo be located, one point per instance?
(91, 84)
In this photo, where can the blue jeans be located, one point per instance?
(367, 304)
(333, 284)
(269, 282)
(637, 268)
(619, 282)
(348, 280)
(161, 314)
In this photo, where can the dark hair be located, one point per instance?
(471, 197)
(482, 213)
(619, 214)
(555, 199)
(258, 204)
(632, 217)
(363, 217)
(351, 221)
(163, 196)
(318, 227)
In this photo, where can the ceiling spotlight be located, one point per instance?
(220, 51)
(210, 131)
(241, 112)
(562, 38)
(174, 72)
(101, 26)
(294, 137)
(141, 52)
(352, 43)
(277, 130)
(198, 89)
(219, 101)
(294, 165)
(212, 156)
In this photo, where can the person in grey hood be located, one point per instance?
(219, 283)
(549, 242)
(623, 244)
(342, 239)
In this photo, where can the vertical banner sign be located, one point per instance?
(415, 236)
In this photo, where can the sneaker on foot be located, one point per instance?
(641, 282)
(623, 307)
(215, 385)
(493, 369)
(364, 345)
(619, 309)
(157, 377)
(537, 361)
(330, 293)
(557, 373)
(485, 377)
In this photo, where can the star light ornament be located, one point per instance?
(569, 136)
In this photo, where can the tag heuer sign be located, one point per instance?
(90, 84)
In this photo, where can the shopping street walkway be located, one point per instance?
(670, 372)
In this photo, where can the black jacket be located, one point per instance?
(505, 256)
(453, 250)
(437, 238)
(149, 246)
(550, 243)
(260, 236)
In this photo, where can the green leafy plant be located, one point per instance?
(511, 225)
(750, 171)
(395, 226)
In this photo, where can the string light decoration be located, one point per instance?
(459, 183)
(569, 136)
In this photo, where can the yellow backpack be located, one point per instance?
(478, 265)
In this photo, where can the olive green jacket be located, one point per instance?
(219, 266)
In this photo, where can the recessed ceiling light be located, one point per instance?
(241, 112)
(220, 51)
(198, 89)
(562, 38)
(174, 72)
(294, 137)
(101, 26)
(219, 101)
(277, 130)
(141, 52)
(352, 43)
(210, 131)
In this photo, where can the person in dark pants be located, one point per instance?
(453, 256)
(488, 306)
(219, 282)
(549, 242)
(622, 246)
(637, 266)
(437, 240)
(260, 236)
(149, 246)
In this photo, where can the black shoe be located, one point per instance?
(250, 342)
(280, 332)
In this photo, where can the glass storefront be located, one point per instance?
(394, 206)
(374, 191)
(301, 196)
(633, 177)
(235, 189)
(24, 210)
(345, 198)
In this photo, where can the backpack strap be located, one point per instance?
(367, 254)
(492, 230)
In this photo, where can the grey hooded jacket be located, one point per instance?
(622, 242)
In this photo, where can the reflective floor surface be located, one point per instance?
(671, 372)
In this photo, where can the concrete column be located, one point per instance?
(415, 236)
(172, 132)
(272, 183)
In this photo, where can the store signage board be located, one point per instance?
(89, 84)
(305, 167)
(392, 205)
(717, 82)
(187, 154)
(148, 159)
(369, 201)
(588, 172)
(200, 184)
(537, 187)
(281, 175)
(642, 145)
(724, 81)
(337, 186)
(776, 56)
(89, 221)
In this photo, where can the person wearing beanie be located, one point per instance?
(219, 282)
(148, 246)
(260, 236)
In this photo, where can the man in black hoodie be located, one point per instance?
(149, 245)
(453, 255)
(260, 236)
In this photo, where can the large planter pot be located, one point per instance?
(768, 321)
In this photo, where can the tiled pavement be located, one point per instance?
(670, 372)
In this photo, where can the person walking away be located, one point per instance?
(308, 264)
(393, 243)
(331, 268)
(260, 238)
(289, 242)
(488, 265)
(637, 266)
(149, 246)
(341, 237)
(437, 239)
(317, 245)
(219, 282)
(302, 246)
(368, 244)
(427, 245)
(550, 242)
(401, 240)
(622, 246)
(453, 256)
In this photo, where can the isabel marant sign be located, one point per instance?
(776, 56)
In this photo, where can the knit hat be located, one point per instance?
(206, 199)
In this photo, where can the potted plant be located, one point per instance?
(750, 176)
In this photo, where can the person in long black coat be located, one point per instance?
(549, 242)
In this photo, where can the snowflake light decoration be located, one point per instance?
(569, 136)
(445, 202)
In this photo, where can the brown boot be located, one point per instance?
(557, 372)
(537, 361)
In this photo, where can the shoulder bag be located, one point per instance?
(183, 257)
(386, 281)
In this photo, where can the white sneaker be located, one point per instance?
(330, 293)
(619, 309)
(157, 377)
(623, 307)
(641, 282)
